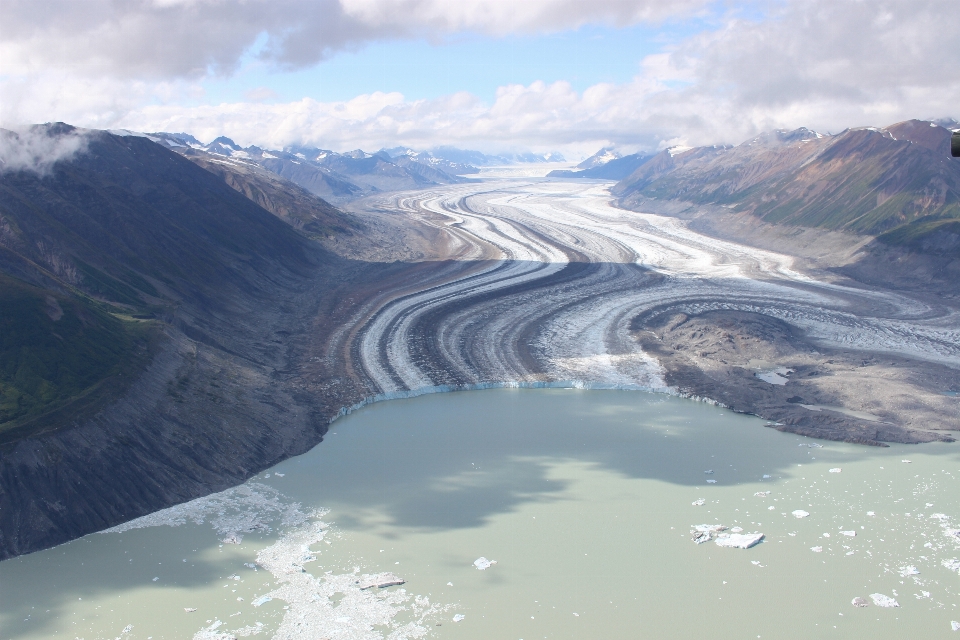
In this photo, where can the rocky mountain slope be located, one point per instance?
(143, 306)
(865, 180)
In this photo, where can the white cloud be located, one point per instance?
(37, 149)
(166, 39)
(826, 64)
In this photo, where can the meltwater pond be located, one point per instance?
(587, 501)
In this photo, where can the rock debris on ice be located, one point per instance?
(705, 532)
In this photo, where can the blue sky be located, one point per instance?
(421, 69)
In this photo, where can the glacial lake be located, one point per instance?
(584, 498)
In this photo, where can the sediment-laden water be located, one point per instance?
(588, 502)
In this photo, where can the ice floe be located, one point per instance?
(739, 540)
(883, 601)
(705, 532)
(380, 580)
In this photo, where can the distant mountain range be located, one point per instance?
(604, 165)
(340, 177)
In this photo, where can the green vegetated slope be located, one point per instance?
(100, 251)
(862, 180)
(57, 350)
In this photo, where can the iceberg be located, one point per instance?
(739, 540)
(883, 601)
(380, 580)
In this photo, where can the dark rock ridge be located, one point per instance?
(179, 297)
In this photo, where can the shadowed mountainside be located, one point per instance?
(144, 304)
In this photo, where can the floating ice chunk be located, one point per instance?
(279, 475)
(762, 494)
(261, 601)
(449, 584)
(458, 617)
(816, 549)
(189, 609)
(709, 471)
(250, 565)
(909, 571)
(871, 513)
(698, 502)
(952, 533)
(954, 625)
(799, 513)
(812, 445)
(859, 602)
(851, 534)
(267, 476)
(155, 578)
(952, 564)
(711, 481)
(482, 563)
(836, 470)
(705, 532)
(942, 517)
(883, 601)
(380, 580)
(907, 461)
(765, 476)
(739, 540)
(771, 508)
(736, 530)
(232, 538)
(826, 535)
